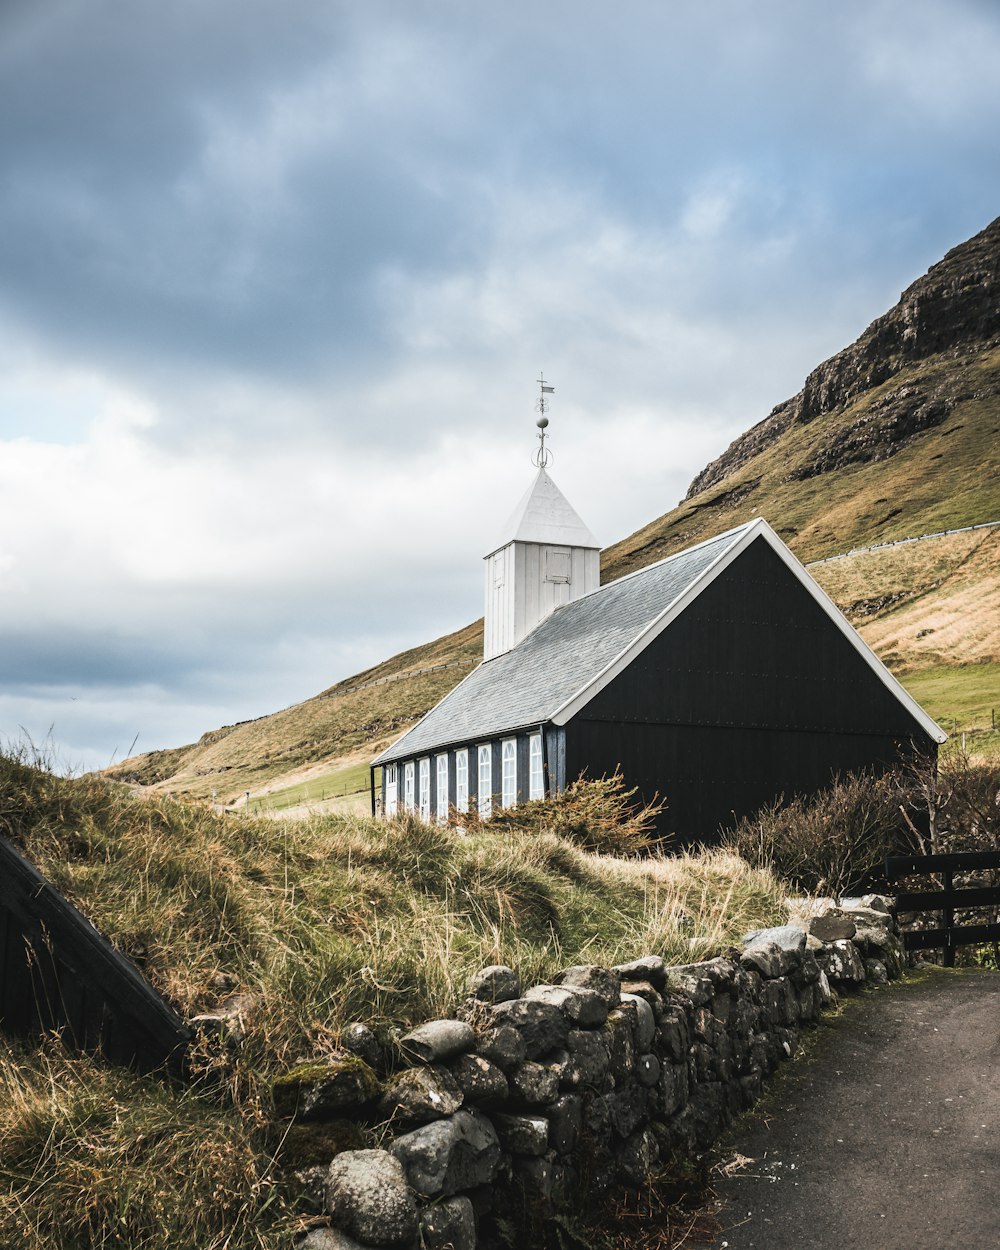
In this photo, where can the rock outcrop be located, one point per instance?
(953, 309)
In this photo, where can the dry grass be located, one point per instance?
(321, 922)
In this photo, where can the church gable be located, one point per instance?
(755, 649)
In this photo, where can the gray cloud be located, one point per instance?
(275, 282)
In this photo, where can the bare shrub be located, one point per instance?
(827, 842)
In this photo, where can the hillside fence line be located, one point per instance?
(900, 542)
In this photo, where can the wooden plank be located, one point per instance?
(961, 935)
(897, 866)
(51, 946)
(937, 900)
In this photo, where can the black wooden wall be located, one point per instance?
(750, 693)
(58, 972)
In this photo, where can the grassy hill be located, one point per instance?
(896, 436)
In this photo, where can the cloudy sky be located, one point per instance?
(276, 281)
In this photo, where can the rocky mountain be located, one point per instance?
(954, 309)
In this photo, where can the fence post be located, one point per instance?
(949, 924)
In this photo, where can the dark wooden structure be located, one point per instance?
(948, 935)
(58, 973)
(719, 679)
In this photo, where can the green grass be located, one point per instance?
(326, 787)
(958, 698)
(320, 922)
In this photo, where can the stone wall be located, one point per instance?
(529, 1098)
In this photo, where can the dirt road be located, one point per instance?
(886, 1136)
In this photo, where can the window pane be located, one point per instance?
(508, 783)
(485, 781)
(462, 780)
(425, 789)
(408, 787)
(536, 785)
(442, 787)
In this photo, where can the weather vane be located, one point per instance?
(542, 456)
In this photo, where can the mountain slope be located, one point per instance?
(895, 436)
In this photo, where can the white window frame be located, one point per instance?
(442, 788)
(508, 772)
(462, 780)
(484, 792)
(425, 788)
(408, 791)
(390, 787)
(536, 774)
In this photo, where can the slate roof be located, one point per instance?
(545, 515)
(570, 648)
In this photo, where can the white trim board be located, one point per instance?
(757, 528)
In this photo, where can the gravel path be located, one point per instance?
(886, 1136)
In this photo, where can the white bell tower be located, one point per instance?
(546, 557)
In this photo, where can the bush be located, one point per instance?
(828, 842)
(600, 816)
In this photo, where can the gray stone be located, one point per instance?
(826, 996)
(650, 968)
(421, 1094)
(312, 1187)
(585, 1062)
(721, 972)
(643, 990)
(325, 1088)
(327, 1239)
(604, 982)
(832, 926)
(636, 1157)
(875, 972)
(565, 1121)
(647, 1070)
(583, 1007)
(361, 1041)
(619, 1032)
(869, 902)
(502, 1045)
(448, 1225)
(496, 984)
(694, 985)
(787, 936)
(522, 1134)
(482, 1083)
(627, 1109)
(367, 1196)
(534, 1084)
(645, 1026)
(437, 1041)
(450, 1155)
(543, 1026)
(841, 962)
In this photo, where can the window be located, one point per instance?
(558, 564)
(389, 798)
(508, 773)
(425, 789)
(486, 781)
(408, 786)
(462, 780)
(442, 788)
(536, 778)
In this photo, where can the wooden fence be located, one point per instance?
(948, 935)
(58, 973)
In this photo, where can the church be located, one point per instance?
(718, 679)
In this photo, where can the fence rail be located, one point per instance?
(948, 935)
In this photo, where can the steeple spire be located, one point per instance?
(544, 557)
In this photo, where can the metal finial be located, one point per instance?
(542, 456)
